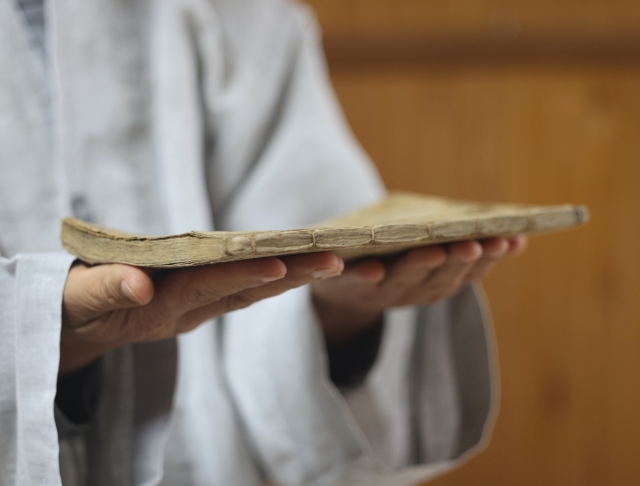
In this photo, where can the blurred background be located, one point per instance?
(536, 102)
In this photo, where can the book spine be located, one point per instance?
(258, 244)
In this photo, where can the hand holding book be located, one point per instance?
(446, 245)
(107, 306)
(348, 304)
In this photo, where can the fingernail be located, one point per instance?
(270, 278)
(326, 273)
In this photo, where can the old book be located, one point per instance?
(401, 221)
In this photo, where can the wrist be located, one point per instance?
(76, 352)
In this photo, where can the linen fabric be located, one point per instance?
(171, 115)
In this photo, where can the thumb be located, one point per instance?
(93, 291)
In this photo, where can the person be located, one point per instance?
(162, 117)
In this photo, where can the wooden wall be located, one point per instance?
(536, 102)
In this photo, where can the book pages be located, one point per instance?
(399, 222)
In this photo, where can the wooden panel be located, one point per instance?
(502, 18)
(566, 313)
(536, 102)
(451, 31)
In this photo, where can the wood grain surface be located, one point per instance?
(538, 129)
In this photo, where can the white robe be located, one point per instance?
(168, 116)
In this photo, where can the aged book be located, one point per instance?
(401, 221)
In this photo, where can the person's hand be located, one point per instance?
(107, 306)
(347, 305)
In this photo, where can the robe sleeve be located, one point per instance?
(31, 287)
(427, 401)
(428, 404)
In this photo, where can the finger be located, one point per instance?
(93, 291)
(180, 291)
(361, 273)
(493, 249)
(375, 284)
(517, 245)
(410, 270)
(191, 288)
(356, 287)
(356, 279)
(312, 266)
(449, 277)
(300, 270)
(366, 272)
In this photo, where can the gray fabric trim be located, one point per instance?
(435, 401)
(473, 367)
(382, 405)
